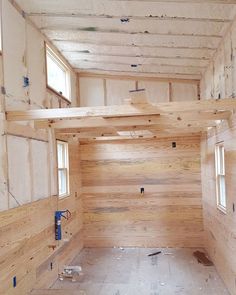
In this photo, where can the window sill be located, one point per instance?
(58, 94)
(221, 209)
(64, 196)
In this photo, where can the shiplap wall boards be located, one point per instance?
(152, 91)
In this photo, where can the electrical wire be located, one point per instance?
(18, 203)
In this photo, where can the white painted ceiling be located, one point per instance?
(159, 38)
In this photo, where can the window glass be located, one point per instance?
(220, 176)
(58, 75)
(62, 181)
(63, 168)
(60, 155)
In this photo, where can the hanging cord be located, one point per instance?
(14, 198)
(68, 215)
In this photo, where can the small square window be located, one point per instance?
(220, 176)
(63, 168)
(58, 74)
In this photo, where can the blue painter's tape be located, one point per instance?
(14, 282)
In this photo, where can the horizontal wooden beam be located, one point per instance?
(124, 110)
(156, 127)
(138, 78)
(140, 75)
(133, 131)
(184, 118)
(11, 128)
(139, 137)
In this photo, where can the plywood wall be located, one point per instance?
(22, 148)
(92, 92)
(105, 90)
(28, 175)
(24, 55)
(170, 211)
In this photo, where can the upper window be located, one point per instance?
(220, 176)
(63, 168)
(58, 74)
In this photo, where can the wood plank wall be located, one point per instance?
(170, 211)
(27, 238)
(219, 81)
(220, 239)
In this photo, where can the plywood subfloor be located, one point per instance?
(131, 272)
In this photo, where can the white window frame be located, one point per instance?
(1, 31)
(65, 168)
(220, 176)
(49, 52)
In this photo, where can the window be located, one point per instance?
(63, 168)
(58, 74)
(220, 176)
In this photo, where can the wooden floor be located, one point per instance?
(131, 272)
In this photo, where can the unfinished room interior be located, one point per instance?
(118, 147)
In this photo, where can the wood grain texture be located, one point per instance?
(27, 238)
(168, 214)
(220, 227)
(219, 80)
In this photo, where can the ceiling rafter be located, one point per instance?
(139, 63)
(174, 26)
(138, 46)
(67, 47)
(135, 29)
(146, 17)
(95, 55)
(179, 61)
(81, 29)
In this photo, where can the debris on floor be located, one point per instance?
(71, 272)
(155, 253)
(135, 273)
(202, 258)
